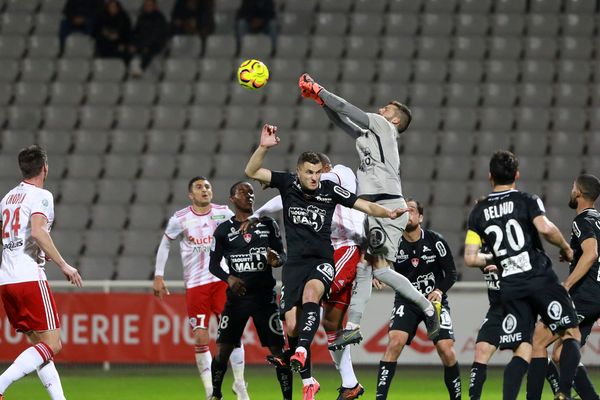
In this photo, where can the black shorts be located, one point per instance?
(588, 312)
(551, 302)
(491, 327)
(297, 272)
(262, 309)
(406, 317)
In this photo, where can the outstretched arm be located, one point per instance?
(270, 207)
(254, 168)
(375, 210)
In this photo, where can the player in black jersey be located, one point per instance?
(308, 206)
(583, 284)
(425, 259)
(511, 222)
(250, 256)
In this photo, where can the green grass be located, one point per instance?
(183, 383)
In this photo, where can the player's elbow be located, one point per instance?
(470, 260)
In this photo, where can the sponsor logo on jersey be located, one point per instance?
(492, 281)
(509, 324)
(441, 248)
(425, 248)
(401, 256)
(555, 310)
(253, 261)
(425, 283)
(217, 217)
(311, 216)
(428, 259)
(13, 244)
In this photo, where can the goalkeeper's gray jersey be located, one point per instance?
(379, 169)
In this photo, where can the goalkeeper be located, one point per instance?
(378, 178)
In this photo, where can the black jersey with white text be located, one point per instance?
(504, 220)
(307, 215)
(586, 225)
(246, 253)
(427, 263)
(492, 280)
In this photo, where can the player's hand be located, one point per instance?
(490, 268)
(436, 295)
(566, 255)
(236, 285)
(309, 89)
(377, 284)
(393, 214)
(72, 275)
(159, 287)
(273, 258)
(250, 223)
(268, 136)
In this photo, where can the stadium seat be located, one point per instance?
(190, 165)
(567, 143)
(532, 119)
(531, 167)
(457, 118)
(501, 71)
(539, 48)
(564, 168)
(504, 48)
(498, 95)
(174, 93)
(60, 117)
(66, 93)
(430, 71)
(47, 24)
(282, 117)
(163, 142)
(433, 48)
(79, 191)
(294, 23)
(440, 6)
(546, 6)
(397, 47)
(406, 6)
(126, 141)
(580, 7)
(571, 95)
(102, 242)
(327, 47)
(225, 23)
(205, 117)
(360, 47)
(9, 69)
(574, 71)
(145, 216)
(169, 117)
(199, 142)
(335, 6)
(450, 168)
(96, 268)
(465, 71)
(459, 143)
(355, 70)
(418, 190)
(535, 95)
(90, 142)
(423, 143)
(55, 141)
(366, 24)
(15, 140)
(15, 23)
(223, 166)
(11, 47)
(79, 46)
(507, 25)
(84, 165)
(173, 269)
(132, 117)
(211, 93)
(24, 117)
(537, 71)
(123, 166)
(96, 117)
(462, 95)
(575, 48)
(330, 24)
(6, 95)
(530, 143)
(37, 70)
(471, 25)
(496, 119)
(22, 6)
(543, 25)
(180, 70)
(108, 216)
(135, 268)
(255, 46)
(184, 46)
(43, 47)
(569, 119)
(103, 93)
(282, 94)
(593, 143)
(239, 117)
(69, 242)
(436, 25)
(237, 141)
(152, 191)
(400, 24)
(416, 168)
(449, 193)
(447, 218)
(138, 93)
(72, 70)
(310, 140)
(578, 24)
(30, 93)
(290, 49)
(114, 191)
(158, 166)
(312, 117)
(241, 96)
(469, 48)
(358, 94)
(108, 70)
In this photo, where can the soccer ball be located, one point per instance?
(253, 74)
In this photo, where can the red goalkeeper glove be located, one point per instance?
(310, 89)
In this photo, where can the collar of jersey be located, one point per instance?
(502, 192)
(200, 215)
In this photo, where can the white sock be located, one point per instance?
(308, 381)
(343, 363)
(237, 363)
(25, 363)
(403, 287)
(360, 295)
(301, 349)
(203, 362)
(51, 381)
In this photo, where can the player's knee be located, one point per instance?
(56, 346)
(445, 349)
(396, 341)
(483, 352)
(313, 291)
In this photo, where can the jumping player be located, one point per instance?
(204, 292)
(27, 216)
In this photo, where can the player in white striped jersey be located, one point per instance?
(27, 215)
(347, 237)
(204, 292)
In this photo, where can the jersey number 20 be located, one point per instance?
(514, 234)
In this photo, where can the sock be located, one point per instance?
(478, 375)
(535, 377)
(285, 378)
(583, 385)
(49, 376)
(384, 378)
(567, 366)
(306, 372)
(452, 380)
(552, 376)
(343, 362)
(403, 287)
(26, 362)
(237, 363)
(363, 285)
(513, 376)
(293, 342)
(309, 323)
(203, 362)
(218, 370)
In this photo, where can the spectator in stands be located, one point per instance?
(113, 32)
(256, 16)
(193, 17)
(78, 16)
(149, 38)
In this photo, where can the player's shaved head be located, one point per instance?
(404, 114)
(309, 157)
(194, 180)
(589, 186)
(32, 160)
(234, 187)
(503, 167)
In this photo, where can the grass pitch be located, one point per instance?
(179, 383)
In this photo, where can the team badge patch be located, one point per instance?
(247, 237)
(509, 324)
(414, 262)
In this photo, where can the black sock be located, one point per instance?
(583, 385)
(309, 324)
(535, 377)
(384, 378)
(306, 371)
(293, 342)
(513, 376)
(478, 375)
(552, 376)
(218, 370)
(567, 366)
(285, 376)
(452, 380)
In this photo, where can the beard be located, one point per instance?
(411, 228)
(573, 203)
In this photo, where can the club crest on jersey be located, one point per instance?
(327, 270)
(555, 310)
(415, 262)
(509, 324)
(247, 237)
(376, 237)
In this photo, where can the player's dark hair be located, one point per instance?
(193, 180)
(309, 157)
(324, 158)
(234, 187)
(589, 186)
(406, 115)
(32, 160)
(503, 167)
(420, 208)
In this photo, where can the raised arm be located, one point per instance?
(254, 168)
(375, 210)
(270, 207)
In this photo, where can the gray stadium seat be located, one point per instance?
(530, 143)
(460, 143)
(450, 168)
(43, 47)
(578, 24)
(55, 142)
(282, 117)
(71, 216)
(189, 165)
(135, 268)
(158, 166)
(6, 94)
(126, 141)
(108, 216)
(72, 70)
(426, 118)
(565, 168)
(138, 93)
(18, 24)
(571, 95)
(135, 243)
(440, 6)
(79, 46)
(360, 47)
(533, 119)
(510, 6)
(418, 190)
(223, 166)
(152, 191)
(37, 70)
(311, 117)
(457, 118)
(400, 24)
(114, 191)
(580, 6)
(531, 167)
(199, 142)
(396, 47)
(436, 25)
(462, 95)
(335, 6)
(330, 24)
(433, 48)
(79, 191)
(366, 24)
(282, 94)
(543, 25)
(471, 25)
(237, 141)
(537, 71)
(498, 95)
(96, 268)
(132, 117)
(238, 117)
(449, 193)
(68, 242)
(507, 25)
(102, 242)
(593, 143)
(84, 165)
(242, 96)
(489, 142)
(326, 47)
(469, 48)
(225, 23)
(355, 70)
(535, 94)
(15, 140)
(496, 119)
(122, 166)
(568, 143)
(501, 71)
(546, 6)
(90, 142)
(575, 48)
(423, 143)
(557, 194)
(205, 117)
(569, 119)
(592, 165)
(174, 93)
(447, 218)
(574, 71)
(255, 46)
(294, 23)
(183, 46)
(310, 140)
(30, 93)
(180, 70)
(169, 117)
(465, 71)
(358, 94)
(47, 23)
(24, 117)
(405, 6)
(292, 47)
(416, 167)
(211, 70)
(23, 6)
(162, 142)
(60, 117)
(12, 47)
(145, 216)
(9, 69)
(210, 93)
(540, 48)
(108, 70)
(370, 6)
(66, 93)
(229, 6)
(430, 70)
(103, 93)
(96, 117)
(504, 48)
